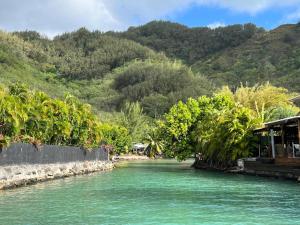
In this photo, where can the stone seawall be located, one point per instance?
(24, 174)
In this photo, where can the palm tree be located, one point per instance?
(155, 145)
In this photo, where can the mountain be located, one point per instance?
(156, 64)
(189, 44)
(269, 56)
(228, 55)
(90, 66)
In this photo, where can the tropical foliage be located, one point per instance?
(93, 65)
(220, 128)
(116, 136)
(133, 118)
(35, 117)
(266, 101)
(129, 75)
(32, 116)
(155, 146)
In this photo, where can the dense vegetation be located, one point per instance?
(32, 116)
(189, 44)
(228, 55)
(159, 85)
(220, 128)
(269, 56)
(90, 65)
(133, 78)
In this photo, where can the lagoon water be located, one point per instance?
(154, 192)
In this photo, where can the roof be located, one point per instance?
(285, 121)
(139, 145)
(297, 98)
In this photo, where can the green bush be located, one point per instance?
(217, 128)
(116, 136)
(35, 117)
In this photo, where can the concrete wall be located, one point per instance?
(21, 153)
(12, 176)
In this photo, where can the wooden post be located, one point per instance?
(259, 145)
(298, 131)
(298, 138)
(272, 143)
(282, 140)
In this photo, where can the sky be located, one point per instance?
(52, 17)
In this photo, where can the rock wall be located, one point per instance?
(24, 174)
(23, 164)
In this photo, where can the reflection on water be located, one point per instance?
(154, 192)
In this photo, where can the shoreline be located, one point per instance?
(130, 157)
(13, 176)
(267, 171)
(19, 175)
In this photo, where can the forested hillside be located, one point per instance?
(189, 44)
(156, 64)
(270, 56)
(228, 55)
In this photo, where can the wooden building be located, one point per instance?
(278, 149)
(296, 100)
(279, 141)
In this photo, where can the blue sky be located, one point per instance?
(53, 17)
(213, 16)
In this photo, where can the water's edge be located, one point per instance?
(267, 171)
(13, 176)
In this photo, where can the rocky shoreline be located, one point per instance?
(12, 176)
(130, 157)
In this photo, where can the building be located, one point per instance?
(278, 151)
(139, 148)
(279, 140)
(296, 100)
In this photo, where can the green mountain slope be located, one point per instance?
(89, 64)
(189, 44)
(151, 63)
(272, 56)
(17, 65)
(229, 55)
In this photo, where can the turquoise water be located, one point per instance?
(154, 192)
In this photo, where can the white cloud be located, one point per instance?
(293, 17)
(216, 25)
(56, 16)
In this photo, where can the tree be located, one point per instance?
(34, 117)
(263, 100)
(116, 136)
(168, 81)
(217, 128)
(134, 120)
(155, 144)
